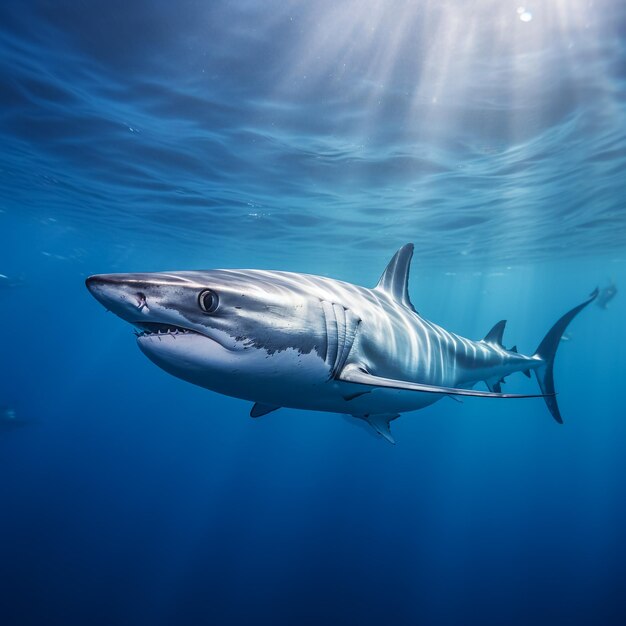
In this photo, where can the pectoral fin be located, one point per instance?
(354, 374)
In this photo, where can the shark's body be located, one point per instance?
(282, 339)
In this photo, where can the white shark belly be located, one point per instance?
(283, 379)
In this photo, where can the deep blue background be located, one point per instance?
(153, 136)
(131, 497)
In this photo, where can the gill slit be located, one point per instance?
(341, 328)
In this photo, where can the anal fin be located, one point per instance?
(494, 387)
(455, 399)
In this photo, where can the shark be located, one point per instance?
(286, 339)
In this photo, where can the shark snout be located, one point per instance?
(93, 283)
(98, 282)
(123, 294)
(98, 285)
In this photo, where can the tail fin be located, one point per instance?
(547, 351)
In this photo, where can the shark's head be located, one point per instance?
(221, 329)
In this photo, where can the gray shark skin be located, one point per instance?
(283, 339)
(606, 295)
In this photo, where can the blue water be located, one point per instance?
(314, 137)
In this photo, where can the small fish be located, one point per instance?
(10, 420)
(7, 413)
(6, 282)
(606, 295)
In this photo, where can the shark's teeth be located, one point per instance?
(163, 330)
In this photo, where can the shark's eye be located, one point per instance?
(208, 301)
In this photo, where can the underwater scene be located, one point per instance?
(312, 312)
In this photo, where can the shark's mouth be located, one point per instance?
(154, 329)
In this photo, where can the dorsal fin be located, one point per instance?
(495, 334)
(395, 279)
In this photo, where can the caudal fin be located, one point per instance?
(547, 351)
